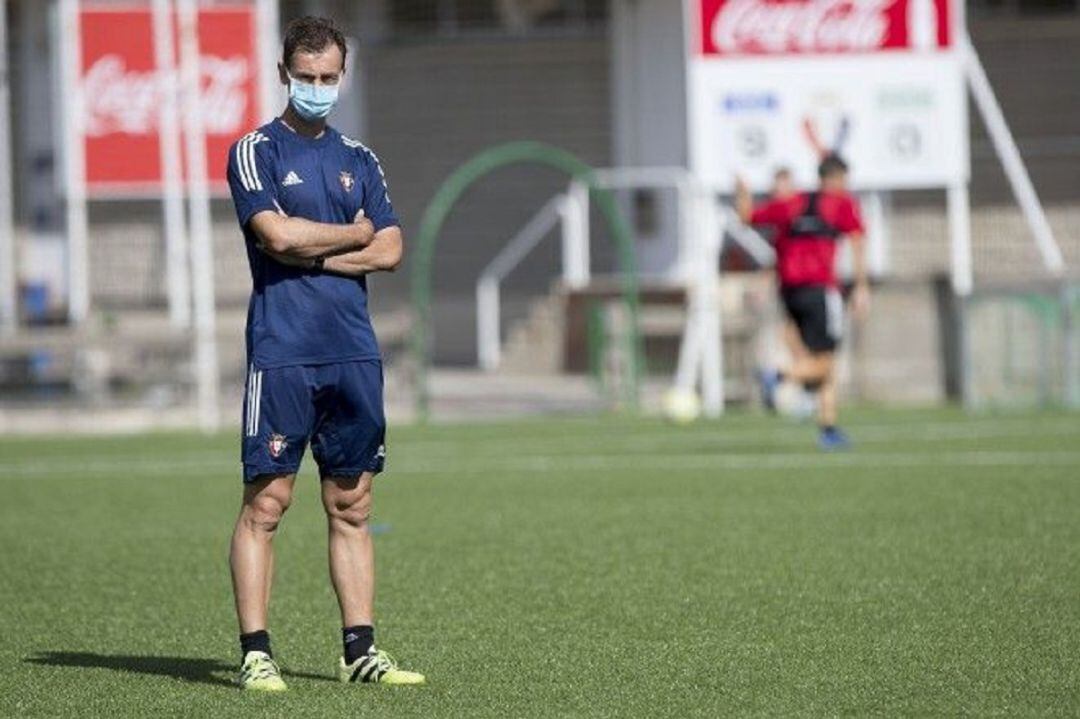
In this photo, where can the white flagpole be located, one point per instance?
(178, 286)
(268, 45)
(74, 162)
(8, 256)
(202, 251)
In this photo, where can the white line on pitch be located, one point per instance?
(577, 463)
(717, 436)
(746, 462)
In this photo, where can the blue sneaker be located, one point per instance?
(832, 439)
(769, 381)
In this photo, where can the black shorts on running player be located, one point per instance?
(818, 312)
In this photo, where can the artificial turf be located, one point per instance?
(571, 567)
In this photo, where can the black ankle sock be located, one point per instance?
(357, 640)
(255, 642)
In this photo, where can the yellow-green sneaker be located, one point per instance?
(376, 667)
(260, 673)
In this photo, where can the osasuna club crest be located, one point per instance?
(347, 180)
(277, 445)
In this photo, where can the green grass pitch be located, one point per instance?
(571, 567)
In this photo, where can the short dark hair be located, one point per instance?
(311, 34)
(831, 164)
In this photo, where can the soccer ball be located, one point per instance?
(793, 402)
(682, 406)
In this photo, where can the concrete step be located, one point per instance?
(535, 345)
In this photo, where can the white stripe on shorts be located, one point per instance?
(251, 416)
(249, 402)
(834, 314)
(257, 403)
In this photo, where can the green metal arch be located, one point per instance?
(443, 202)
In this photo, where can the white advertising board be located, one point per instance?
(777, 83)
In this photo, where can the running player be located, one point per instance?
(808, 227)
(317, 219)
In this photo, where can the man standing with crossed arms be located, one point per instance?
(317, 219)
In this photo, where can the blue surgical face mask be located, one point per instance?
(312, 102)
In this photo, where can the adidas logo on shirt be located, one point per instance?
(292, 179)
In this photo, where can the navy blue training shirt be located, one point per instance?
(298, 316)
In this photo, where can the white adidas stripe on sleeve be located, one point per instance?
(245, 161)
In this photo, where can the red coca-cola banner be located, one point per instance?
(792, 27)
(122, 90)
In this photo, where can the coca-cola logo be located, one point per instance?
(778, 27)
(121, 100)
(814, 26)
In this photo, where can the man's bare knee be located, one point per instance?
(347, 502)
(353, 516)
(262, 511)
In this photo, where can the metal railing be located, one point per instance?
(558, 210)
(570, 211)
(702, 221)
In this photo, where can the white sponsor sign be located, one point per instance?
(778, 83)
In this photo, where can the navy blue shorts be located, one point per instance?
(338, 408)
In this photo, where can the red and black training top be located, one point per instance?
(808, 226)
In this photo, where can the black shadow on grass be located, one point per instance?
(192, 669)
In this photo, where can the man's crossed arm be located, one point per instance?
(352, 250)
(382, 255)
